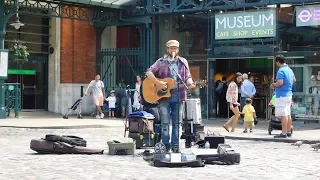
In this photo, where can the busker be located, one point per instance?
(173, 106)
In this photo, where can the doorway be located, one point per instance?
(259, 69)
(31, 75)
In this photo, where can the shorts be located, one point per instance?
(98, 101)
(111, 109)
(283, 106)
(249, 124)
(124, 102)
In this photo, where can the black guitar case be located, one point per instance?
(54, 144)
(72, 140)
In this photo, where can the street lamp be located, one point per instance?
(17, 24)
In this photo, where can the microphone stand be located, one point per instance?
(178, 75)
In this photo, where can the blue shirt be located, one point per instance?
(286, 74)
(247, 88)
(174, 92)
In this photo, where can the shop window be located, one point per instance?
(298, 86)
(306, 94)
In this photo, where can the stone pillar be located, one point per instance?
(54, 66)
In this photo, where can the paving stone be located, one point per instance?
(259, 160)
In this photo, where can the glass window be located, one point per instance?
(306, 92)
(298, 86)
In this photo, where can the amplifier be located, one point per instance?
(214, 140)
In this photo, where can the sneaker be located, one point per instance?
(102, 116)
(245, 131)
(281, 136)
(289, 134)
(98, 117)
(250, 130)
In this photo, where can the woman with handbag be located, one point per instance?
(232, 99)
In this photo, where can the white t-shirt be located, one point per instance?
(96, 88)
(112, 101)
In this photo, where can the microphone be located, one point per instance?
(173, 55)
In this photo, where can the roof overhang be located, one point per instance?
(117, 4)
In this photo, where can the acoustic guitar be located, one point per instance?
(152, 94)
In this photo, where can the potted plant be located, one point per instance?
(20, 53)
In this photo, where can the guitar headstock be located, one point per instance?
(202, 83)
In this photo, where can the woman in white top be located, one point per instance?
(136, 95)
(232, 99)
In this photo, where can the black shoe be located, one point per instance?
(281, 136)
(175, 150)
(245, 131)
(289, 134)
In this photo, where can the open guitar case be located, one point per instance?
(55, 144)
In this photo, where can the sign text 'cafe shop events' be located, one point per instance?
(249, 24)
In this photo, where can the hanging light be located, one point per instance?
(17, 24)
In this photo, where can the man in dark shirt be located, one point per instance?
(122, 98)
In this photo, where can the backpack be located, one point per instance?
(225, 88)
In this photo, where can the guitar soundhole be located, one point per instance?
(161, 92)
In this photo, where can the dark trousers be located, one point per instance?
(223, 106)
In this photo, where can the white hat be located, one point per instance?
(173, 43)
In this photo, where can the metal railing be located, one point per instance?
(13, 98)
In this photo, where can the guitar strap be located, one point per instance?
(183, 60)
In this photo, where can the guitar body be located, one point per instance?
(150, 92)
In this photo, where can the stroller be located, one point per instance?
(75, 107)
(274, 122)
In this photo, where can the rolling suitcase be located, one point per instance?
(140, 125)
(193, 108)
(143, 140)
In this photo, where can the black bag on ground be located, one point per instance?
(57, 147)
(72, 140)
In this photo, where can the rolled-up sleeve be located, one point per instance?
(154, 68)
(186, 71)
(187, 75)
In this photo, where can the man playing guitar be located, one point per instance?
(171, 108)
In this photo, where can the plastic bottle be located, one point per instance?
(207, 145)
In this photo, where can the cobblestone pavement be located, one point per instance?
(259, 160)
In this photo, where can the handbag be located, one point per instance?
(255, 121)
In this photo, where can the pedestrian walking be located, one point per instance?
(232, 99)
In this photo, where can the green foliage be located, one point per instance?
(20, 52)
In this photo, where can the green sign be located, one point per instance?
(308, 15)
(22, 72)
(246, 24)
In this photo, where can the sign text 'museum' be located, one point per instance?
(245, 25)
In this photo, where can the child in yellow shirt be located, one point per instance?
(249, 114)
